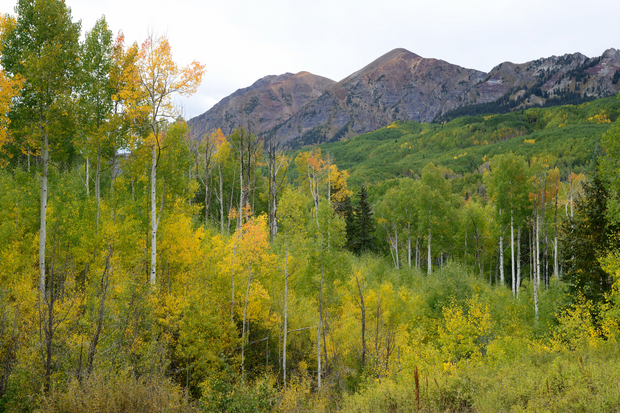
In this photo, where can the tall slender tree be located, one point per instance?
(161, 78)
(43, 49)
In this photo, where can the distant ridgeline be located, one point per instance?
(568, 136)
(304, 109)
(551, 87)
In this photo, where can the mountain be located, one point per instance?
(305, 109)
(572, 78)
(264, 105)
(400, 85)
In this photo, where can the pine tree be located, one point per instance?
(589, 235)
(365, 239)
(345, 209)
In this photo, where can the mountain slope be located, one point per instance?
(267, 103)
(571, 78)
(400, 85)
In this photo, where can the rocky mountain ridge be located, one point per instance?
(304, 109)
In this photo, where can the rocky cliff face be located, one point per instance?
(398, 86)
(269, 102)
(305, 109)
(550, 81)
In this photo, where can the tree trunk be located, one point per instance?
(512, 254)
(518, 283)
(87, 176)
(318, 337)
(363, 310)
(274, 197)
(219, 167)
(285, 311)
(537, 272)
(417, 251)
(113, 173)
(501, 251)
(501, 260)
(94, 342)
(429, 252)
(98, 185)
(409, 245)
(232, 300)
(556, 270)
(396, 247)
(154, 221)
(241, 200)
(43, 223)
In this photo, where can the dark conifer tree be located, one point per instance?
(365, 239)
(345, 209)
(589, 236)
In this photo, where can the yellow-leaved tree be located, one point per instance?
(10, 87)
(161, 78)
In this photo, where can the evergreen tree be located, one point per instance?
(589, 236)
(365, 239)
(345, 209)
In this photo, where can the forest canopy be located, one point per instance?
(469, 266)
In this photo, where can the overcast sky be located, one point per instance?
(241, 41)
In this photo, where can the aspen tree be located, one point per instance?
(161, 78)
(43, 50)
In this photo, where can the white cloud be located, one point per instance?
(241, 41)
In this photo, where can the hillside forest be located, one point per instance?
(469, 266)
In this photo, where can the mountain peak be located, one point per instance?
(391, 56)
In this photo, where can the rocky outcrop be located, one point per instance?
(555, 80)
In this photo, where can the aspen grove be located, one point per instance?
(147, 269)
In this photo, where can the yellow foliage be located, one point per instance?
(9, 87)
(465, 332)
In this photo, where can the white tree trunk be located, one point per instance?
(518, 261)
(409, 248)
(501, 260)
(537, 272)
(285, 312)
(537, 250)
(318, 337)
(501, 251)
(43, 224)
(556, 267)
(87, 177)
(512, 253)
(417, 251)
(153, 217)
(219, 167)
(113, 173)
(98, 185)
(241, 200)
(429, 252)
(396, 247)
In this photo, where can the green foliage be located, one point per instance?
(43, 48)
(117, 393)
(568, 133)
(234, 394)
(589, 237)
(208, 332)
